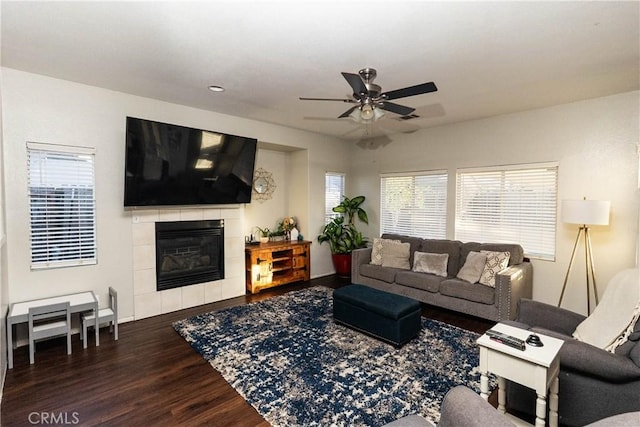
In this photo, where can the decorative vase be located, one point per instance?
(287, 235)
(264, 239)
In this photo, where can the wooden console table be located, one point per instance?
(276, 263)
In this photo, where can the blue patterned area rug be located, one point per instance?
(295, 366)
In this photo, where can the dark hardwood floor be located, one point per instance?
(150, 376)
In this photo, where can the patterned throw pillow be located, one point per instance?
(473, 267)
(378, 249)
(496, 262)
(424, 262)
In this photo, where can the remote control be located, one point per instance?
(506, 339)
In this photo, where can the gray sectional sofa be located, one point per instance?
(499, 303)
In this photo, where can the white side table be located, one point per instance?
(533, 367)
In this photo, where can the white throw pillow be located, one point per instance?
(378, 248)
(496, 262)
(473, 267)
(396, 255)
(610, 323)
(424, 262)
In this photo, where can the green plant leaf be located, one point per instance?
(357, 201)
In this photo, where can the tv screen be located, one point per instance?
(168, 164)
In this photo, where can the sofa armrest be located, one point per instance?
(462, 407)
(512, 284)
(548, 316)
(359, 257)
(591, 361)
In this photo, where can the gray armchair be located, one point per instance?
(462, 407)
(594, 383)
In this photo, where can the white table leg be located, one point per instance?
(484, 386)
(83, 328)
(541, 411)
(95, 310)
(502, 395)
(9, 343)
(553, 403)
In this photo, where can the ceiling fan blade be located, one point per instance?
(326, 99)
(356, 83)
(410, 91)
(396, 108)
(346, 113)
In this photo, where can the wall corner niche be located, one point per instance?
(263, 185)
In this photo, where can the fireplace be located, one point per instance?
(189, 252)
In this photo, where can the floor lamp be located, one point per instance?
(584, 212)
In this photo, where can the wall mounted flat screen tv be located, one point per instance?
(168, 164)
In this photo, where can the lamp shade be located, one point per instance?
(357, 115)
(586, 212)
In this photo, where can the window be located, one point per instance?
(61, 205)
(334, 193)
(509, 204)
(414, 204)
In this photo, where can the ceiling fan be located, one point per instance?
(371, 100)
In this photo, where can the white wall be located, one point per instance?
(595, 143)
(4, 291)
(267, 213)
(290, 173)
(38, 108)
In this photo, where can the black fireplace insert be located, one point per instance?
(189, 252)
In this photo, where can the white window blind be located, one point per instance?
(61, 205)
(509, 204)
(334, 193)
(414, 204)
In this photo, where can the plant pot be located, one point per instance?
(264, 239)
(342, 264)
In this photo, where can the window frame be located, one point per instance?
(328, 197)
(433, 227)
(62, 205)
(537, 229)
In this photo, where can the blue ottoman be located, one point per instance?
(389, 317)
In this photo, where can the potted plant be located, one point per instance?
(264, 234)
(342, 234)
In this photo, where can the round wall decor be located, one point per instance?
(263, 185)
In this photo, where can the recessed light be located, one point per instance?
(214, 88)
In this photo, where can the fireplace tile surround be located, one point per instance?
(149, 302)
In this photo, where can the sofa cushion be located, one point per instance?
(396, 255)
(516, 252)
(424, 262)
(426, 282)
(378, 248)
(451, 247)
(378, 272)
(469, 291)
(473, 267)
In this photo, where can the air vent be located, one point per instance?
(409, 117)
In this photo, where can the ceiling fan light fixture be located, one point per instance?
(366, 112)
(377, 113)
